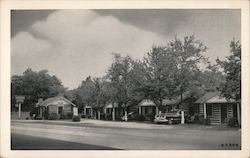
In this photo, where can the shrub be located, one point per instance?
(140, 117)
(53, 116)
(205, 121)
(197, 118)
(150, 117)
(232, 122)
(76, 118)
(108, 116)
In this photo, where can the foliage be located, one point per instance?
(76, 118)
(232, 122)
(231, 89)
(140, 117)
(34, 85)
(205, 121)
(186, 55)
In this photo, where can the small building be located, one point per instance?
(146, 106)
(59, 106)
(217, 108)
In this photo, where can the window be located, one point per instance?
(209, 110)
(60, 109)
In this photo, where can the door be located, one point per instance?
(223, 112)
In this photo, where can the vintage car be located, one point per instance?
(172, 117)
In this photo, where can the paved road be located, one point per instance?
(103, 137)
(23, 142)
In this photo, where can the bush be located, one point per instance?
(53, 116)
(232, 122)
(76, 118)
(205, 121)
(150, 117)
(108, 116)
(140, 117)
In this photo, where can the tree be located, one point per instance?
(120, 77)
(231, 89)
(34, 85)
(159, 69)
(187, 56)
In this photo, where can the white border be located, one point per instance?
(7, 5)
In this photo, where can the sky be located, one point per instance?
(73, 44)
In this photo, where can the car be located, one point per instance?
(130, 116)
(172, 117)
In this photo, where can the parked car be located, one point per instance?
(130, 116)
(172, 117)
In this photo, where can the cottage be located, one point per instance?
(59, 106)
(147, 106)
(218, 108)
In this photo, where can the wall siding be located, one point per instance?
(201, 109)
(216, 114)
(230, 111)
(67, 108)
(52, 109)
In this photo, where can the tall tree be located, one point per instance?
(231, 89)
(159, 69)
(119, 75)
(34, 85)
(187, 55)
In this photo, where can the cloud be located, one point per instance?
(73, 44)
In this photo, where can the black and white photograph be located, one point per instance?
(133, 79)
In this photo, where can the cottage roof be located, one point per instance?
(206, 97)
(51, 100)
(213, 97)
(146, 102)
(111, 106)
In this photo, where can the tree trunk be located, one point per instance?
(126, 115)
(99, 115)
(113, 114)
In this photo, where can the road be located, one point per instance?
(102, 136)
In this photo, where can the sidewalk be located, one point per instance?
(100, 123)
(122, 124)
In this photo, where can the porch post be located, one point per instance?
(238, 113)
(104, 110)
(139, 109)
(113, 114)
(182, 117)
(84, 110)
(19, 111)
(91, 112)
(156, 110)
(99, 115)
(205, 110)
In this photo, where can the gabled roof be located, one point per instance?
(50, 100)
(111, 106)
(206, 97)
(146, 102)
(213, 97)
